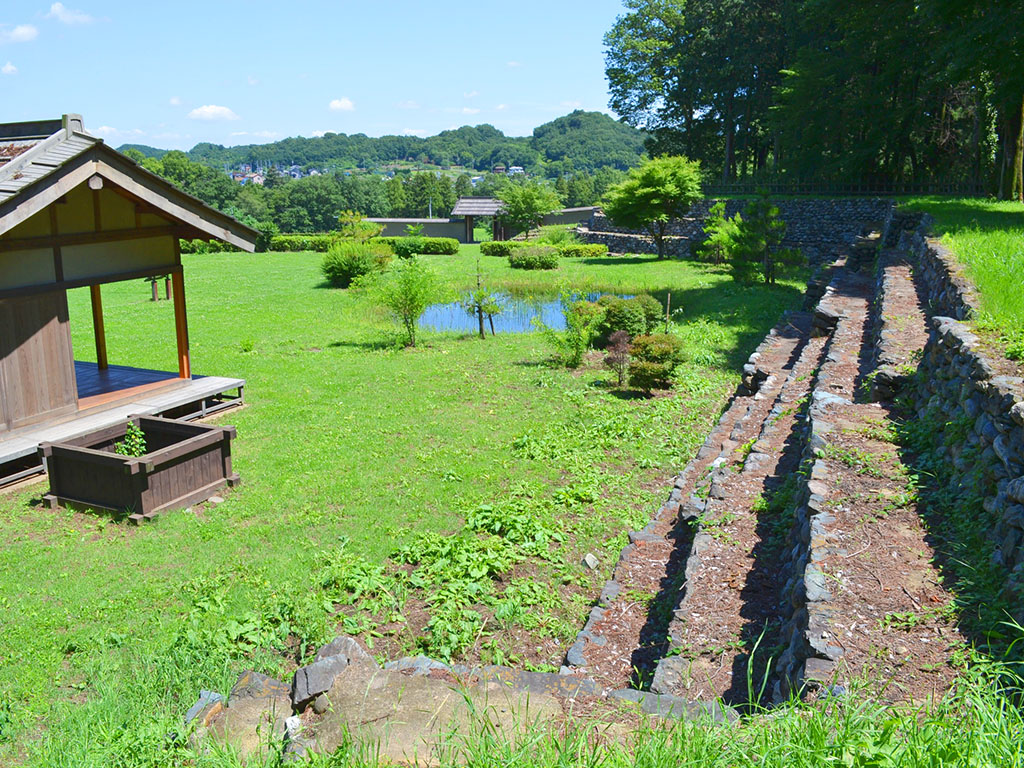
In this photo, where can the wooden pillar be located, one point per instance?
(97, 327)
(181, 325)
(469, 229)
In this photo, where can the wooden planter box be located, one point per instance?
(186, 463)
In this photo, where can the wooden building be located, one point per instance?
(76, 213)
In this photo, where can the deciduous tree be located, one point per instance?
(661, 189)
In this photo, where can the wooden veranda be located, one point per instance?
(76, 213)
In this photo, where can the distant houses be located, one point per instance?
(248, 173)
(248, 178)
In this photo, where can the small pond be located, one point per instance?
(516, 315)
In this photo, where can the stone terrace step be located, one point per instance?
(900, 324)
(858, 553)
(731, 590)
(623, 633)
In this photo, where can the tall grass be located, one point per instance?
(988, 238)
(974, 725)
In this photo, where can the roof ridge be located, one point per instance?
(10, 169)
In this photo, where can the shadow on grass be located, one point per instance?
(954, 215)
(613, 389)
(115, 516)
(607, 261)
(369, 346)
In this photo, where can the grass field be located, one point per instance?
(988, 237)
(349, 449)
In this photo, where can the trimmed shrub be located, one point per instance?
(440, 246)
(534, 257)
(407, 247)
(348, 259)
(414, 245)
(655, 359)
(582, 250)
(654, 313)
(621, 315)
(501, 248)
(636, 316)
(294, 243)
(203, 246)
(388, 241)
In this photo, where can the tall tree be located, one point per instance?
(699, 74)
(660, 190)
(526, 203)
(983, 41)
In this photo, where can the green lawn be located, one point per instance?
(988, 237)
(348, 450)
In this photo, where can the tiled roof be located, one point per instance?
(33, 151)
(476, 206)
(31, 158)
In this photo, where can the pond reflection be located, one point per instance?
(516, 314)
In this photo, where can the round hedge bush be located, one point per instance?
(534, 257)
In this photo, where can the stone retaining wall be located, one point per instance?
(892, 372)
(978, 418)
(977, 411)
(815, 226)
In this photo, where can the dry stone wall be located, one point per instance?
(817, 227)
(975, 403)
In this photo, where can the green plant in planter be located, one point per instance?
(134, 443)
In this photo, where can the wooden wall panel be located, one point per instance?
(37, 368)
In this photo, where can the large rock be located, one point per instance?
(347, 647)
(317, 678)
(407, 719)
(331, 660)
(254, 719)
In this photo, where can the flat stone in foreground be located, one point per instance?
(408, 719)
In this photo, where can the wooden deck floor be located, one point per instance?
(94, 381)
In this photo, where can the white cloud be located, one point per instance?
(501, 107)
(253, 81)
(65, 15)
(414, 132)
(109, 132)
(408, 104)
(471, 94)
(212, 112)
(23, 33)
(174, 101)
(341, 105)
(513, 64)
(572, 104)
(470, 110)
(8, 69)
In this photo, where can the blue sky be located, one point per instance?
(172, 74)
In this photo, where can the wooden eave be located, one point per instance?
(194, 218)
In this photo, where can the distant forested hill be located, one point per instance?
(580, 141)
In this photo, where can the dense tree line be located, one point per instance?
(580, 141)
(885, 91)
(312, 203)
